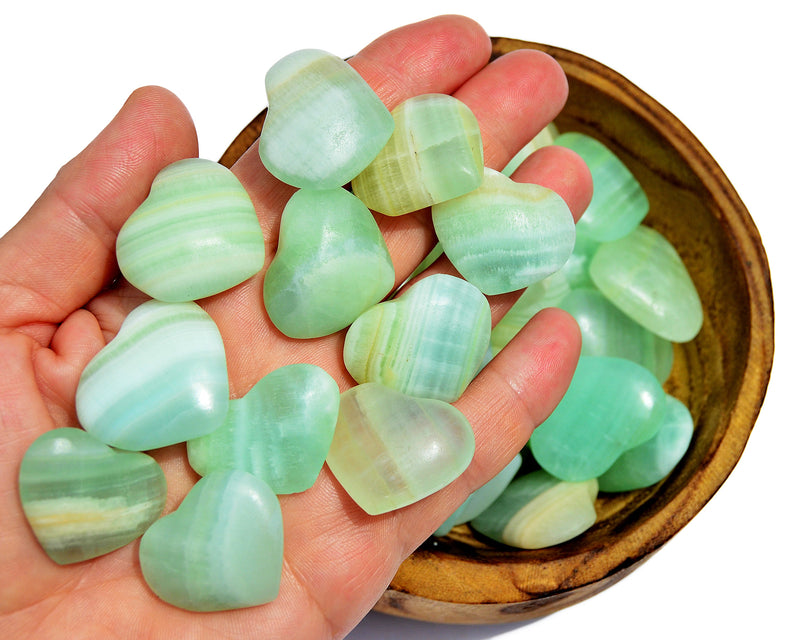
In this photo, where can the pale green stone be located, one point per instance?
(434, 154)
(280, 431)
(429, 342)
(84, 499)
(331, 265)
(576, 269)
(391, 450)
(538, 510)
(482, 497)
(653, 460)
(542, 139)
(162, 380)
(222, 549)
(611, 405)
(504, 235)
(606, 331)
(644, 276)
(324, 124)
(618, 201)
(195, 235)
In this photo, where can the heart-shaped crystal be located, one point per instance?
(83, 498)
(390, 450)
(195, 235)
(221, 549)
(429, 342)
(163, 379)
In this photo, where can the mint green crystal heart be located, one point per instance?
(280, 431)
(618, 202)
(538, 510)
(434, 154)
(391, 450)
(653, 460)
(324, 123)
(430, 342)
(611, 405)
(504, 235)
(195, 235)
(84, 499)
(331, 265)
(222, 549)
(644, 276)
(163, 379)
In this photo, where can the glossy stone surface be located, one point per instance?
(428, 342)
(644, 276)
(195, 235)
(84, 499)
(163, 379)
(606, 331)
(221, 549)
(324, 124)
(576, 269)
(482, 497)
(391, 450)
(504, 235)
(434, 154)
(538, 510)
(280, 431)
(611, 405)
(618, 202)
(331, 265)
(653, 460)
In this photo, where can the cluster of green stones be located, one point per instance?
(395, 437)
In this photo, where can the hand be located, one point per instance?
(61, 301)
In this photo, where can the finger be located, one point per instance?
(69, 234)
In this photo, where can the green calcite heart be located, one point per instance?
(280, 431)
(390, 450)
(195, 235)
(606, 331)
(644, 276)
(611, 405)
(222, 549)
(538, 510)
(482, 497)
(163, 379)
(618, 201)
(331, 265)
(434, 154)
(504, 236)
(430, 342)
(652, 460)
(83, 498)
(324, 124)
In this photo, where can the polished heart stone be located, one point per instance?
(430, 342)
(653, 460)
(606, 331)
(195, 235)
(644, 276)
(84, 499)
(390, 450)
(481, 498)
(504, 236)
(280, 430)
(434, 154)
(162, 380)
(324, 124)
(611, 405)
(221, 549)
(538, 510)
(618, 201)
(331, 264)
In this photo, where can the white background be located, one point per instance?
(729, 74)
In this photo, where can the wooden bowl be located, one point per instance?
(721, 375)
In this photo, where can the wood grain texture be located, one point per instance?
(721, 375)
